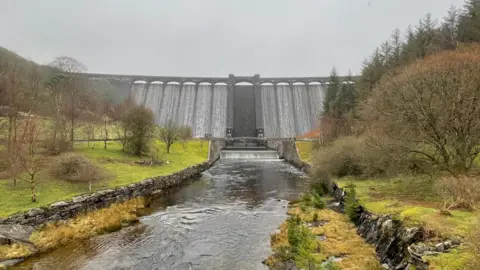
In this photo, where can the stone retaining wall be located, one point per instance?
(63, 210)
(287, 149)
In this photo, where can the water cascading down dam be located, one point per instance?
(239, 150)
(229, 107)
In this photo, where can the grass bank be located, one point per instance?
(305, 149)
(416, 203)
(58, 234)
(121, 168)
(331, 241)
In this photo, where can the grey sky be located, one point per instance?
(209, 38)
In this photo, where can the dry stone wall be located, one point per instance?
(67, 209)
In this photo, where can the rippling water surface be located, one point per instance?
(221, 221)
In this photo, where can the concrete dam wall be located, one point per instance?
(237, 106)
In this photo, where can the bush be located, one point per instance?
(58, 146)
(358, 156)
(351, 203)
(138, 124)
(76, 168)
(459, 192)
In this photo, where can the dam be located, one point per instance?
(234, 106)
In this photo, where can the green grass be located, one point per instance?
(415, 202)
(119, 165)
(305, 150)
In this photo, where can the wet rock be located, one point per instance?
(15, 233)
(440, 247)
(385, 266)
(58, 204)
(9, 263)
(447, 244)
(317, 223)
(35, 211)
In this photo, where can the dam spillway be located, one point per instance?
(233, 106)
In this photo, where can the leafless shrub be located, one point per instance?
(76, 168)
(459, 192)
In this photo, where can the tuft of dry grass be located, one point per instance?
(84, 226)
(14, 251)
(341, 240)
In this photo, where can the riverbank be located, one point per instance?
(329, 240)
(450, 238)
(122, 169)
(57, 234)
(88, 214)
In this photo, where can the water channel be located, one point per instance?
(221, 221)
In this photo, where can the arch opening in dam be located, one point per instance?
(232, 106)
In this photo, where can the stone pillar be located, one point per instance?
(257, 89)
(277, 103)
(292, 95)
(211, 123)
(230, 102)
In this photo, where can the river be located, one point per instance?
(223, 220)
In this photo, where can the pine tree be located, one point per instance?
(331, 93)
(469, 22)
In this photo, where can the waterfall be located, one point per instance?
(301, 103)
(269, 109)
(154, 99)
(169, 105)
(186, 105)
(317, 93)
(249, 154)
(219, 117)
(202, 114)
(139, 92)
(287, 125)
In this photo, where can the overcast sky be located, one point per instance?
(211, 37)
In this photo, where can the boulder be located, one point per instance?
(16, 233)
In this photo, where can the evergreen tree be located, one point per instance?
(469, 22)
(331, 93)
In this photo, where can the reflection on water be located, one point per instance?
(221, 221)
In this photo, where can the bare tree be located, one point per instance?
(27, 152)
(29, 142)
(169, 134)
(74, 86)
(185, 133)
(107, 109)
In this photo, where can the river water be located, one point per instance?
(221, 221)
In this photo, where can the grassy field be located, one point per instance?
(305, 149)
(119, 166)
(415, 202)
